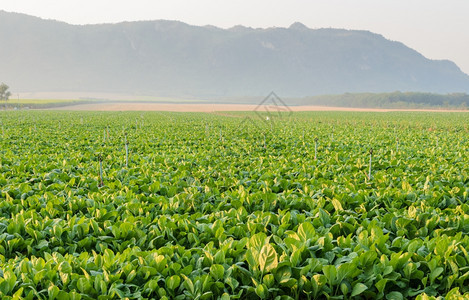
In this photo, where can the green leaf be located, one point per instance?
(368, 257)
(232, 282)
(295, 257)
(380, 285)
(345, 270)
(317, 282)
(306, 231)
(10, 278)
(63, 296)
(65, 267)
(455, 294)
(268, 258)
(219, 257)
(394, 296)
(18, 293)
(261, 291)
(188, 284)
(225, 296)
(282, 273)
(173, 282)
(83, 285)
(289, 283)
(131, 276)
(435, 273)
(252, 260)
(75, 296)
(344, 287)
(257, 241)
(358, 289)
(217, 271)
(4, 286)
(330, 272)
(269, 280)
(152, 285)
(43, 244)
(324, 217)
(337, 205)
(53, 292)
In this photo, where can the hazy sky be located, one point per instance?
(438, 29)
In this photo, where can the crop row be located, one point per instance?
(213, 206)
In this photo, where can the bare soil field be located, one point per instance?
(204, 107)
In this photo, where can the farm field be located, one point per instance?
(234, 206)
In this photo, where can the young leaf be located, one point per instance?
(173, 282)
(268, 258)
(330, 272)
(217, 271)
(306, 231)
(394, 296)
(358, 289)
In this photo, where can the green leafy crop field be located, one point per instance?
(203, 206)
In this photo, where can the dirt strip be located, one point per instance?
(139, 106)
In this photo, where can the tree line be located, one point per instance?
(4, 93)
(390, 100)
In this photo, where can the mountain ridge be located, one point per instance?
(172, 58)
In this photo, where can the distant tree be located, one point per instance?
(4, 93)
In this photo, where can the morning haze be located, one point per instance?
(174, 59)
(435, 28)
(204, 55)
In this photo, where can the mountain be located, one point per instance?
(170, 58)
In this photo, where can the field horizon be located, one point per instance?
(214, 107)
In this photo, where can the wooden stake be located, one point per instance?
(369, 171)
(315, 148)
(101, 171)
(126, 151)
